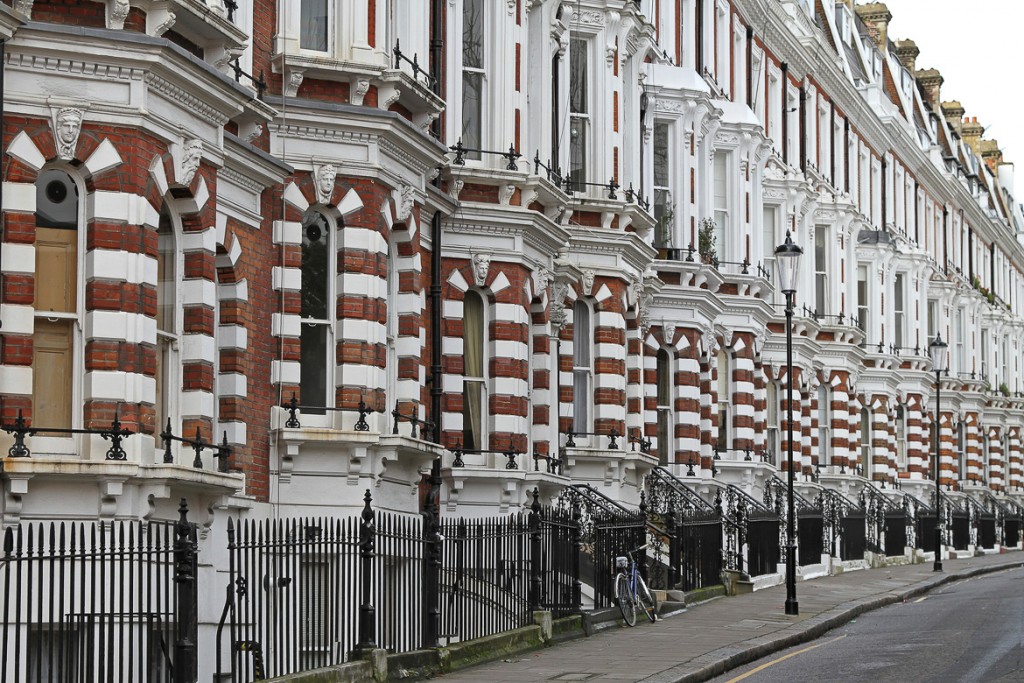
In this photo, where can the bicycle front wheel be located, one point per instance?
(646, 599)
(625, 598)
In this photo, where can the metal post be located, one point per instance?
(792, 606)
(937, 565)
(575, 547)
(432, 567)
(367, 612)
(535, 552)
(186, 606)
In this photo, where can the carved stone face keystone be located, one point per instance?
(325, 177)
(68, 126)
(481, 265)
(192, 157)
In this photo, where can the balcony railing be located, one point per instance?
(20, 429)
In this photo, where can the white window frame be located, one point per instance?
(724, 387)
(665, 412)
(863, 298)
(582, 121)
(821, 288)
(824, 424)
(899, 309)
(773, 429)
(721, 167)
(665, 224)
(583, 374)
(333, 235)
(168, 356)
(69, 445)
(481, 72)
(484, 379)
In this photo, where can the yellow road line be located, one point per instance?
(781, 659)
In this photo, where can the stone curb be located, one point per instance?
(712, 664)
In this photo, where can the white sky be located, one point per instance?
(979, 49)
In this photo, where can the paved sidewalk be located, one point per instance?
(724, 633)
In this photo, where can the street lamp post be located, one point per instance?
(938, 353)
(787, 257)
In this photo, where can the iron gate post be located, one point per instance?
(186, 605)
(576, 549)
(367, 612)
(535, 558)
(432, 564)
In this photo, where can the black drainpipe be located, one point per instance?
(885, 185)
(436, 389)
(803, 129)
(785, 113)
(436, 55)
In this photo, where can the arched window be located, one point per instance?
(582, 365)
(54, 338)
(961, 449)
(474, 384)
(724, 400)
(666, 431)
(865, 442)
(391, 326)
(168, 369)
(316, 338)
(901, 437)
(772, 444)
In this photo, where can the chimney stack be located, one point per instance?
(971, 131)
(931, 84)
(907, 52)
(954, 115)
(876, 17)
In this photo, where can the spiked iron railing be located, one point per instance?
(21, 429)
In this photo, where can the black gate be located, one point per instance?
(614, 534)
(961, 529)
(810, 534)
(701, 550)
(926, 532)
(560, 562)
(853, 541)
(1011, 533)
(987, 530)
(895, 532)
(762, 543)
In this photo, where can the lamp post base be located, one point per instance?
(937, 565)
(792, 606)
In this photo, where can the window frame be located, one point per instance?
(665, 379)
(483, 379)
(720, 175)
(583, 374)
(167, 406)
(312, 417)
(480, 72)
(69, 445)
(724, 402)
(580, 118)
(824, 424)
(664, 232)
(329, 20)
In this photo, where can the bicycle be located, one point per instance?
(631, 590)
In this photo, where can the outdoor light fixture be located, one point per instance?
(937, 349)
(787, 257)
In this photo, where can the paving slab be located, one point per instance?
(723, 633)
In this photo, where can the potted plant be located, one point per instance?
(706, 240)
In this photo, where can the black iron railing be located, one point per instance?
(106, 601)
(418, 72)
(259, 84)
(552, 173)
(231, 6)
(461, 150)
(638, 439)
(634, 196)
(510, 453)
(612, 434)
(314, 592)
(293, 407)
(552, 463)
(426, 426)
(573, 186)
(21, 429)
(221, 452)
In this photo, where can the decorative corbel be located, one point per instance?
(293, 82)
(67, 126)
(116, 13)
(357, 91)
(505, 193)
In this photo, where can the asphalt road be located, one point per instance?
(969, 631)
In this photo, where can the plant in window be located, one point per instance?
(1004, 390)
(706, 240)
